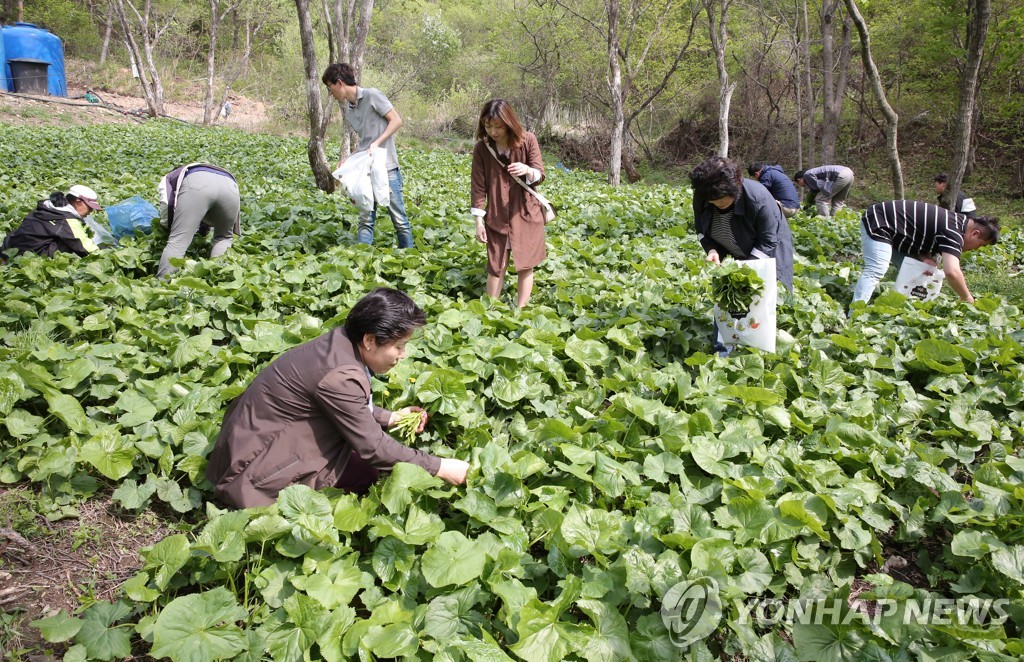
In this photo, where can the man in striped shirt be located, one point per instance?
(922, 231)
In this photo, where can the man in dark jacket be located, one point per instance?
(55, 226)
(941, 184)
(778, 184)
(827, 187)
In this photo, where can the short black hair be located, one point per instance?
(59, 199)
(989, 226)
(716, 177)
(942, 178)
(342, 71)
(755, 167)
(386, 314)
(799, 175)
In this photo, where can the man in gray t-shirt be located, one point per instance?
(375, 121)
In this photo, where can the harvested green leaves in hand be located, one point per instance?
(406, 426)
(734, 286)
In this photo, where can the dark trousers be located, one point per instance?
(358, 475)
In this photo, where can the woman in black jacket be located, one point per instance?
(55, 226)
(739, 217)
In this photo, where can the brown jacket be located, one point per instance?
(514, 217)
(299, 421)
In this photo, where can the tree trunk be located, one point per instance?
(142, 58)
(252, 26)
(154, 74)
(798, 86)
(833, 80)
(719, 40)
(977, 33)
(891, 118)
(315, 149)
(210, 61)
(615, 94)
(811, 101)
(108, 29)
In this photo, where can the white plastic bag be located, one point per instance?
(757, 328)
(364, 179)
(100, 235)
(354, 178)
(919, 279)
(379, 178)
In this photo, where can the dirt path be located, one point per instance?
(246, 114)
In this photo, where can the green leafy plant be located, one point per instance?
(734, 286)
(613, 456)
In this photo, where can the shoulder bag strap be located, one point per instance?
(541, 198)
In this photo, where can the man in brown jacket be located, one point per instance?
(308, 417)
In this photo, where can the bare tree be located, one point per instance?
(631, 38)
(812, 100)
(347, 40)
(977, 33)
(253, 20)
(615, 93)
(216, 18)
(891, 118)
(108, 28)
(142, 30)
(719, 10)
(833, 78)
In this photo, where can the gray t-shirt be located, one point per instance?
(366, 116)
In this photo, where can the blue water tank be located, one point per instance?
(26, 41)
(4, 86)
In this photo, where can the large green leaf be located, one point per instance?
(309, 512)
(191, 349)
(403, 483)
(102, 638)
(110, 453)
(68, 410)
(58, 628)
(444, 388)
(588, 353)
(200, 628)
(453, 559)
(166, 558)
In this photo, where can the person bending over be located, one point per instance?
(55, 225)
(891, 230)
(308, 418)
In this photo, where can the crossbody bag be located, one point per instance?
(549, 210)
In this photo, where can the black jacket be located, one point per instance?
(49, 230)
(758, 226)
(959, 208)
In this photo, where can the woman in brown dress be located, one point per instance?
(508, 219)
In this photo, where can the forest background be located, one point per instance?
(774, 80)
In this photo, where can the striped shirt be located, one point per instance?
(913, 228)
(721, 232)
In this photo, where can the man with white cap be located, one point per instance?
(55, 226)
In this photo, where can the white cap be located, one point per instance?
(86, 195)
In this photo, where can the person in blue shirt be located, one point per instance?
(773, 178)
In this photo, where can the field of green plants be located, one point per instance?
(871, 461)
